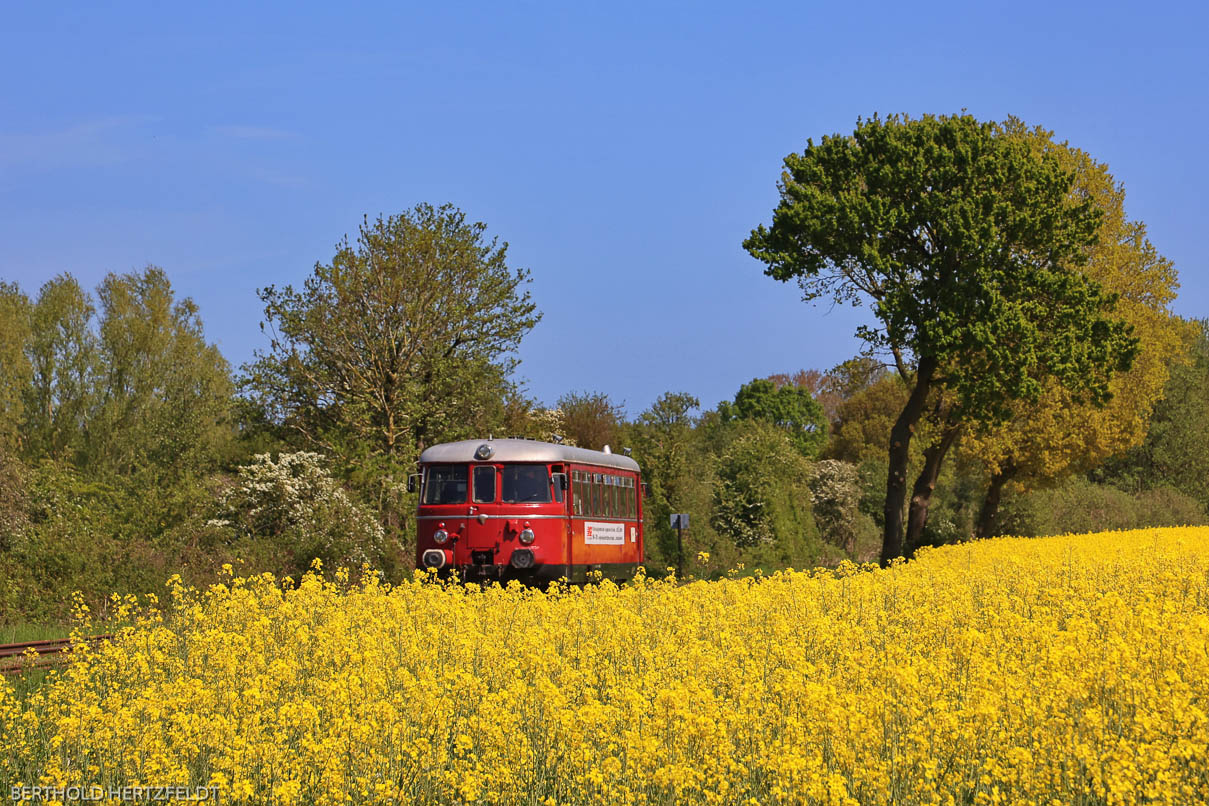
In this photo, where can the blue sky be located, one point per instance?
(624, 150)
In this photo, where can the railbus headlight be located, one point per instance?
(440, 535)
(526, 534)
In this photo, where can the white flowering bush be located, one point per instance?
(295, 503)
(835, 497)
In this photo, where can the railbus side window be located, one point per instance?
(445, 484)
(611, 495)
(597, 504)
(577, 489)
(484, 484)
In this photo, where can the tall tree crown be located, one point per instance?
(407, 335)
(964, 242)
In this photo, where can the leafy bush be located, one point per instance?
(761, 497)
(293, 504)
(1078, 506)
(13, 505)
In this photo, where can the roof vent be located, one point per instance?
(606, 449)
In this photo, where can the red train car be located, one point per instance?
(535, 511)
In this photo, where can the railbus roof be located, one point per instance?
(524, 450)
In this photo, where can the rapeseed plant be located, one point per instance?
(1070, 670)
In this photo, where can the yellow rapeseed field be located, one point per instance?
(1067, 670)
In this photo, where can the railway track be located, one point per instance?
(51, 652)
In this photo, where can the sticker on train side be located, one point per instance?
(606, 534)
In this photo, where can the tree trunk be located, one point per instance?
(900, 445)
(990, 504)
(925, 484)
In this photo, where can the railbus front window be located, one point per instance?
(525, 484)
(445, 484)
(484, 484)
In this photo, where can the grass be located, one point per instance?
(19, 633)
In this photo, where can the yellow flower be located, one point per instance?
(1058, 670)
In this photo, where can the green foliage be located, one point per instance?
(864, 419)
(13, 500)
(165, 397)
(404, 339)
(680, 474)
(80, 534)
(789, 408)
(523, 417)
(964, 241)
(1175, 452)
(62, 392)
(762, 497)
(15, 370)
(1055, 436)
(955, 505)
(136, 391)
(1078, 505)
(591, 419)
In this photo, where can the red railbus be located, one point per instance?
(501, 509)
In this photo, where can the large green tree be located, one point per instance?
(789, 407)
(130, 388)
(61, 395)
(1055, 436)
(403, 338)
(15, 369)
(966, 244)
(164, 393)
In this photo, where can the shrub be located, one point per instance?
(835, 497)
(1078, 505)
(761, 499)
(295, 505)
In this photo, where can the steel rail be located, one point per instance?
(13, 658)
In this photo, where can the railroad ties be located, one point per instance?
(13, 658)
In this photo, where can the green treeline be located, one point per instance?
(1025, 375)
